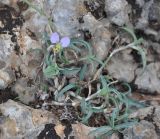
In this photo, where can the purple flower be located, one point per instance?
(64, 42)
(54, 37)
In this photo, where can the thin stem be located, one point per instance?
(93, 96)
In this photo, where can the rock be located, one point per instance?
(152, 51)
(150, 113)
(117, 11)
(149, 80)
(142, 22)
(6, 46)
(101, 42)
(140, 2)
(19, 121)
(122, 66)
(7, 76)
(31, 61)
(156, 117)
(81, 131)
(35, 23)
(143, 113)
(142, 130)
(101, 39)
(10, 25)
(90, 23)
(155, 46)
(65, 16)
(9, 2)
(25, 92)
(154, 15)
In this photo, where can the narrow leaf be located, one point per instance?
(82, 72)
(64, 90)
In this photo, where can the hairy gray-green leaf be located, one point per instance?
(70, 71)
(51, 71)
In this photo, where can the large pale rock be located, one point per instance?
(143, 22)
(117, 11)
(6, 46)
(81, 131)
(65, 16)
(142, 130)
(122, 66)
(9, 29)
(7, 76)
(101, 42)
(149, 79)
(19, 121)
(143, 113)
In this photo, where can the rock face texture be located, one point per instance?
(149, 80)
(22, 33)
(19, 121)
(65, 16)
(143, 130)
(117, 11)
(122, 66)
(149, 124)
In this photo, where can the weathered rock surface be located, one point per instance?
(81, 131)
(7, 76)
(65, 16)
(142, 130)
(149, 125)
(156, 117)
(154, 15)
(122, 66)
(149, 79)
(6, 48)
(143, 113)
(100, 41)
(19, 121)
(25, 92)
(117, 11)
(143, 20)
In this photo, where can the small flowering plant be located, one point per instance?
(57, 44)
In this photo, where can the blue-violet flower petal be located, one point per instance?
(65, 41)
(54, 37)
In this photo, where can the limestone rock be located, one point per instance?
(122, 66)
(65, 16)
(142, 130)
(25, 92)
(117, 11)
(19, 121)
(149, 79)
